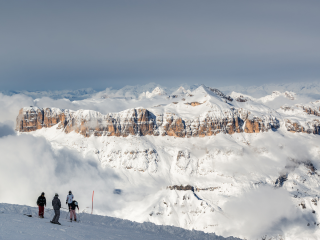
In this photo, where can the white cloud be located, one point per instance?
(29, 165)
(10, 106)
(6, 129)
(266, 211)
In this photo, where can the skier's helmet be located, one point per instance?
(57, 194)
(42, 194)
(70, 192)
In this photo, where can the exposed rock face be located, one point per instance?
(290, 95)
(308, 164)
(181, 188)
(141, 122)
(185, 163)
(145, 160)
(221, 94)
(311, 111)
(136, 122)
(31, 119)
(193, 104)
(280, 180)
(258, 125)
(174, 127)
(191, 188)
(307, 109)
(286, 108)
(241, 99)
(311, 126)
(198, 189)
(291, 165)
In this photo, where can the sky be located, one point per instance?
(53, 45)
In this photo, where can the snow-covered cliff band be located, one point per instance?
(205, 112)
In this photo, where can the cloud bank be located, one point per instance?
(29, 165)
(267, 211)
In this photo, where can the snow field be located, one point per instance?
(15, 225)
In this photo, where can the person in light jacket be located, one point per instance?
(56, 204)
(69, 199)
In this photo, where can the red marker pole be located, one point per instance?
(92, 202)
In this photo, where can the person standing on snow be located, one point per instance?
(73, 207)
(69, 199)
(41, 202)
(56, 204)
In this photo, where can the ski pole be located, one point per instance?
(67, 214)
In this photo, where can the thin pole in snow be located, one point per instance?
(92, 202)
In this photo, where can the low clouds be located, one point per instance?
(264, 209)
(267, 153)
(29, 165)
(103, 106)
(6, 129)
(10, 106)
(268, 211)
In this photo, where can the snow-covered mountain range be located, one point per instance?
(195, 157)
(153, 89)
(202, 112)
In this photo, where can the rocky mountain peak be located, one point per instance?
(156, 92)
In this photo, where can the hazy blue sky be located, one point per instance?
(76, 44)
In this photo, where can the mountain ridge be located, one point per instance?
(139, 91)
(215, 113)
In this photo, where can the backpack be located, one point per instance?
(41, 200)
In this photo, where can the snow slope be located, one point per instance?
(306, 88)
(15, 224)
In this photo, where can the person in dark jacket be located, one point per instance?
(56, 204)
(41, 202)
(72, 209)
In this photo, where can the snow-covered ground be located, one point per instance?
(15, 224)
